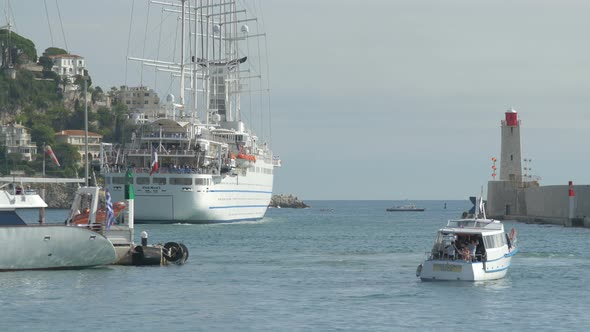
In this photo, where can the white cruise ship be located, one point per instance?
(198, 161)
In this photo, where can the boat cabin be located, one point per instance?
(469, 240)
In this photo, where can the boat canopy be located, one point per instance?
(168, 125)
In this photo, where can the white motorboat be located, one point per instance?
(470, 249)
(45, 246)
(405, 208)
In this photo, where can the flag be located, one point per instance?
(154, 161)
(49, 151)
(110, 213)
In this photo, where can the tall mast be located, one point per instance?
(195, 62)
(182, 56)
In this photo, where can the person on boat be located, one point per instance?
(450, 250)
(472, 246)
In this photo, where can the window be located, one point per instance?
(181, 181)
(142, 180)
(202, 181)
(494, 241)
(156, 180)
(119, 180)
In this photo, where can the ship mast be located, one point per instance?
(182, 58)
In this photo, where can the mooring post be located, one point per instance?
(570, 218)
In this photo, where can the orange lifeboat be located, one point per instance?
(246, 157)
(101, 214)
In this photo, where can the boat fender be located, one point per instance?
(143, 255)
(137, 255)
(175, 253)
(185, 250)
(419, 270)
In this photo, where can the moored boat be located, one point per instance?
(470, 249)
(405, 208)
(46, 246)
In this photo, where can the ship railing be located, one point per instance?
(458, 257)
(169, 152)
(161, 170)
(156, 135)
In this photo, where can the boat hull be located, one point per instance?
(435, 269)
(233, 198)
(53, 247)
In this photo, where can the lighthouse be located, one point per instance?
(510, 160)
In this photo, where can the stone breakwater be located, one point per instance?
(287, 201)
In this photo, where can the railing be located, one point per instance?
(458, 257)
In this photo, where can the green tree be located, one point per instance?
(66, 154)
(20, 48)
(46, 63)
(50, 51)
(58, 117)
(42, 133)
(97, 94)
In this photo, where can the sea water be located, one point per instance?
(338, 266)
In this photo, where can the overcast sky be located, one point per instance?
(388, 99)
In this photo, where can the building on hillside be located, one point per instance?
(77, 139)
(17, 139)
(68, 65)
(142, 100)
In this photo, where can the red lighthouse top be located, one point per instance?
(511, 118)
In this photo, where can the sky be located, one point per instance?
(387, 100)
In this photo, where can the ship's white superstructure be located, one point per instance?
(199, 161)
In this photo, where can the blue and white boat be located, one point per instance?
(470, 249)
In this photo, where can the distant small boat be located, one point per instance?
(407, 208)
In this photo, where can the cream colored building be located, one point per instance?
(68, 65)
(17, 139)
(141, 98)
(77, 139)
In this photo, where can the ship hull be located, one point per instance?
(224, 199)
(492, 269)
(52, 248)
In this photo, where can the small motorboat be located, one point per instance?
(470, 249)
(406, 208)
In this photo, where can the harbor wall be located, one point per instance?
(503, 199)
(538, 204)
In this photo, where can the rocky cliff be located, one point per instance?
(287, 201)
(58, 195)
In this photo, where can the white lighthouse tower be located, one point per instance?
(510, 160)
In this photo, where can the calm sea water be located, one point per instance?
(340, 265)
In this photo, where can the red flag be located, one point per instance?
(154, 161)
(49, 151)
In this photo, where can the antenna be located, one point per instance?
(481, 207)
